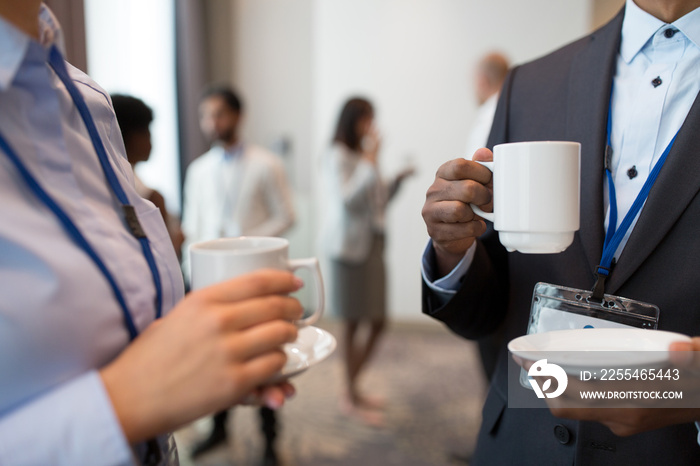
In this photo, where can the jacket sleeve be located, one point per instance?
(358, 186)
(190, 220)
(279, 202)
(479, 306)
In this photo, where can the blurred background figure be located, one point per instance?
(234, 189)
(356, 198)
(134, 118)
(489, 75)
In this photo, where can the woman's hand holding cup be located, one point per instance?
(216, 348)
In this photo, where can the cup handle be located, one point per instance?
(490, 216)
(312, 265)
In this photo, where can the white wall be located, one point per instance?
(272, 57)
(296, 63)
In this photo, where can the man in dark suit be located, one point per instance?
(566, 96)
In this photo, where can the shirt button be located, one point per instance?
(562, 434)
(632, 172)
(656, 82)
(670, 32)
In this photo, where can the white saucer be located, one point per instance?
(311, 347)
(597, 347)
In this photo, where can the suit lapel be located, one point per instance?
(590, 96)
(678, 183)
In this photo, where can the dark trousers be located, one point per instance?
(268, 424)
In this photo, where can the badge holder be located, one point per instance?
(558, 308)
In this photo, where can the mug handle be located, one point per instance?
(311, 264)
(490, 216)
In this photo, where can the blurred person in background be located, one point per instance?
(101, 357)
(490, 73)
(134, 118)
(234, 189)
(356, 197)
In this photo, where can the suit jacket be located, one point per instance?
(565, 96)
(355, 198)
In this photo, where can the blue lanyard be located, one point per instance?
(57, 63)
(614, 236)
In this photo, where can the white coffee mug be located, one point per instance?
(536, 195)
(220, 259)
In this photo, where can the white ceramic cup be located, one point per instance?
(220, 259)
(536, 195)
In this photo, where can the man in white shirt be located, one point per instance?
(648, 57)
(234, 189)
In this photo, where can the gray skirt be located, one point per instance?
(359, 290)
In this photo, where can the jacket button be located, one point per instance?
(562, 434)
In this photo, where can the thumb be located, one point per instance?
(483, 155)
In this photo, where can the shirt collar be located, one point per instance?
(14, 44)
(233, 152)
(639, 26)
(689, 25)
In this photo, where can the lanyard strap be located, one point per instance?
(57, 63)
(614, 235)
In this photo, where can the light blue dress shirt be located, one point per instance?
(59, 320)
(644, 118)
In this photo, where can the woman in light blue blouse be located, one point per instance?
(87, 373)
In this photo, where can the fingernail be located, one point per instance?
(274, 404)
(298, 282)
(289, 391)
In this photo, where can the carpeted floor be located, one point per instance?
(434, 389)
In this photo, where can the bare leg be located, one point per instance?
(376, 329)
(357, 353)
(363, 351)
(351, 358)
